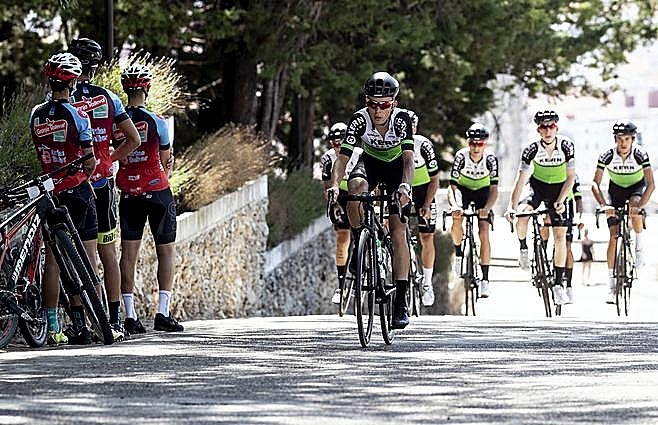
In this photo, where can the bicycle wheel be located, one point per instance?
(543, 270)
(8, 324)
(364, 292)
(470, 285)
(76, 270)
(35, 332)
(387, 305)
(346, 286)
(620, 277)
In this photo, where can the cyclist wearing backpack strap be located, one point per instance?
(474, 178)
(62, 134)
(104, 109)
(385, 134)
(342, 224)
(146, 195)
(631, 179)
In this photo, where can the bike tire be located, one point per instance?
(346, 286)
(469, 284)
(35, 333)
(75, 266)
(627, 300)
(8, 326)
(364, 292)
(542, 269)
(387, 304)
(620, 276)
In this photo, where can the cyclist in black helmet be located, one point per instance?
(386, 134)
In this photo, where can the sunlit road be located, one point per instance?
(507, 365)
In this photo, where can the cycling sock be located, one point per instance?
(401, 293)
(568, 272)
(523, 243)
(341, 271)
(611, 275)
(485, 271)
(115, 311)
(53, 323)
(129, 303)
(638, 241)
(78, 313)
(559, 275)
(163, 305)
(427, 276)
(458, 251)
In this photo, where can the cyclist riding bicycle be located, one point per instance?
(61, 134)
(424, 186)
(386, 135)
(631, 179)
(474, 178)
(143, 179)
(549, 163)
(342, 225)
(104, 109)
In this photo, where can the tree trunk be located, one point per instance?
(244, 91)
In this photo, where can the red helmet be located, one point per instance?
(63, 67)
(136, 76)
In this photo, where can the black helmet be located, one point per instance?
(337, 131)
(477, 131)
(624, 127)
(381, 84)
(87, 50)
(546, 115)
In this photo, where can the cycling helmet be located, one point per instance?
(381, 84)
(87, 50)
(136, 76)
(337, 131)
(413, 116)
(624, 127)
(477, 131)
(63, 67)
(545, 116)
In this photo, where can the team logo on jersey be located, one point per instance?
(96, 105)
(57, 128)
(143, 129)
(117, 133)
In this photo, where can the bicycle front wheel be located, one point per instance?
(364, 291)
(8, 325)
(77, 271)
(620, 278)
(346, 286)
(387, 304)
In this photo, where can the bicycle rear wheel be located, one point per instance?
(470, 285)
(387, 304)
(346, 286)
(543, 269)
(620, 278)
(364, 291)
(77, 271)
(8, 325)
(35, 332)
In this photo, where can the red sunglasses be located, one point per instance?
(477, 142)
(381, 105)
(551, 126)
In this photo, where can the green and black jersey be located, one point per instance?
(425, 164)
(471, 175)
(547, 169)
(625, 172)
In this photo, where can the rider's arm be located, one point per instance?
(338, 171)
(408, 165)
(452, 196)
(493, 195)
(129, 144)
(492, 166)
(567, 185)
(89, 165)
(428, 154)
(596, 190)
(521, 178)
(648, 179)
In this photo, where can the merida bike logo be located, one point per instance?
(50, 127)
(25, 250)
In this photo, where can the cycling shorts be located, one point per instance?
(375, 171)
(106, 208)
(619, 195)
(160, 210)
(82, 208)
(419, 194)
(548, 194)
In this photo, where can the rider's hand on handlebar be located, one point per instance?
(559, 207)
(456, 211)
(405, 194)
(509, 214)
(633, 210)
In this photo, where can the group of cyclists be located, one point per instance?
(79, 117)
(380, 145)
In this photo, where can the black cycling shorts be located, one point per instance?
(106, 208)
(619, 195)
(478, 197)
(82, 208)
(548, 194)
(418, 195)
(160, 210)
(376, 171)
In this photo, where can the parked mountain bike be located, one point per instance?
(21, 274)
(541, 267)
(76, 272)
(346, 284)
(470, 266)
(624, 270)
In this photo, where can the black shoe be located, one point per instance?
(78, 336)
(166, 323)
(400, 318)
(133, 326)
(118, 333)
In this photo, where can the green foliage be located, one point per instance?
(295, 201)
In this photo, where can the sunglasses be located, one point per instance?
(379, 105)
(551, 126)
(477, 142)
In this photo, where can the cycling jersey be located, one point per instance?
(142, 170)
(575, 191)
(327, 163)
(628, 172)
(104, 109)
(388, 148)
(425, 164)
(472, 175)
(60, 132)
(549, 169)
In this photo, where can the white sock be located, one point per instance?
(129, 304)
(638, 241)
(163, 306)
(611, 282)
(427, 275)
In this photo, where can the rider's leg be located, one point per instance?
(401, 266)
(342, 247)
(522, 232)
(560, 255)
(356, 186)
(457, 233)
(485, 256)
(636, 221)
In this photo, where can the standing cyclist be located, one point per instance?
(104, 109)
(550, 164)
(341, 224)
(385, 133)
(62, 134)
(474, 178)
(631, 179)
(146, 195)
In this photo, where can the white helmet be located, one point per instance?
(63, 67)
(136, 76)
(337, 131)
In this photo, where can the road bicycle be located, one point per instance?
(624, 270)
(416, 278)
(470, 263)
(346, 284)
(77, 275)
(541, 268)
